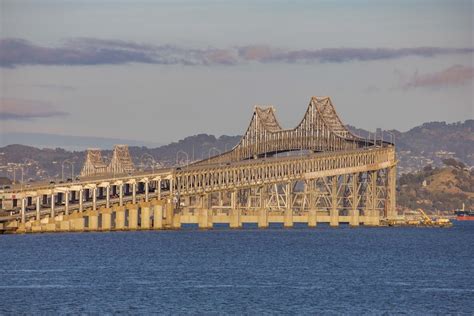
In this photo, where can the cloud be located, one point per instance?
(93, 51)
(454, 75)
(19, 109)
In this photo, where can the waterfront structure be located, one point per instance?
(329, 176)
(121, 162)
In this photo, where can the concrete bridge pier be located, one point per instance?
(145, 215)
(176, 220)
(169, 214)
(334, 211)
(234, 220)
(263, 218)
(205, 218)
(106, 218)
(288, 216)
(312, 218)
(354, 217)
(77, 222)
(132, 216)
(119, 218)
(65, 223)
(288, 219)
(93, 216)
(334, 217)
(158, 215)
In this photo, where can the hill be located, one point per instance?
(431, 143)
(427, 144)
(437, 189)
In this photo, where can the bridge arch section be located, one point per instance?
(320, 130)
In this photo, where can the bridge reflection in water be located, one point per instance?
(336, 177)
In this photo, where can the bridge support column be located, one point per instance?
(334, 211)
(371, 199)
(38, 208)
(334, 218)
(120, 194)
(106, 217)
(119, 218)
(354, 217)
(392, 193)
(77, 222)
(107, 197)
(176, 221)
(145, 215)
(312, 219)
(94, 199)
(66, 203)
(146, 191)
(158, 189)
(134, 193)
(204, 218)
(81, 199)
(93, 216)
(65, 224)
(132, 216)
(288, 219)
(234, 212)
(53, 202)
(263, 218)
(23, 210)
(169, 214)
(354, 212)
(158, 215)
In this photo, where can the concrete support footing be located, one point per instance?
(119, 218)
(312, 218)
(145, 222)
(263, 218)
(334, 218)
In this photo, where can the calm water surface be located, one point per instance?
(298, 271)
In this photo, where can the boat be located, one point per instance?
(464, 215)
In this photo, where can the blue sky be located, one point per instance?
(162, 70)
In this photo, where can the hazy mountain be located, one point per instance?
(427, 144)
(41, 140)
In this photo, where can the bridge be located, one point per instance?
(317, 172)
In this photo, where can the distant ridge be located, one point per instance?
(73, 143)
(427, 144)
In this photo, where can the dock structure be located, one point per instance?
(318, 172)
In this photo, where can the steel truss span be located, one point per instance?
(337, 177)
(320, 130)
(120, 163)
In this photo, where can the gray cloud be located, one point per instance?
(19, 109)
(454, 75)
(92, 51)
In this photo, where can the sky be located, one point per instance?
(159, 71)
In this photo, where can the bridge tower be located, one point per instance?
(94, 163)
(121, 160)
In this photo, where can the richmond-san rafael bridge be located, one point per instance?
(329, 176)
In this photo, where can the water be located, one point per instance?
(298, 271)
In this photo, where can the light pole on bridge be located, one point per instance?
(72, 169)
(392, 137)
(148, 157)
(215, 149)
(184, 153)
